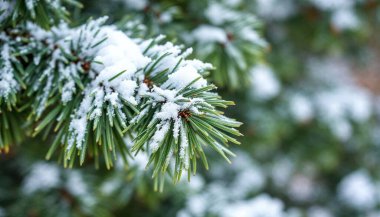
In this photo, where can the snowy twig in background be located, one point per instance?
(231, 35)
(343, 13)
(45, 13)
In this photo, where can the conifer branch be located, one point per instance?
(92, 86)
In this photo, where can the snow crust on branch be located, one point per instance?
(6, 8)
(8, 84)
(69, 51)
(116, 62)
(119, 64)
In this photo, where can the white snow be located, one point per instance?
(209, 34)
(333, 5)
(374, 213)
(343, 16)
(196, 184)
(281, 172)
(216, 198)
(168, 114)
(342, 100)
(67, 91)
(337, 106)
(54, 3)
(77, 186)
(342, 129)
(183, 76)
(40, 34)
(159, 136)
(301, 108)
(360, 108)
(167, 15)
(124, 46)
(265, 85)
(199, 65)
(79, 128)
(248, 180)
(232, 3)
(184, 73)
(136, 4)
(30, 4)
(6, 8)
(197, 204)
(275, 9)
(183, 152)
(317, 211)
(301, 188)
(75, 183)
(250, 35)
(218, 14)
(8, 84)
(140, 160)
(345, 19)
(260, 206)
(294, 212)
(172, 54)
(358, 191)
(120, 58)
(42, 177)
(110, 186)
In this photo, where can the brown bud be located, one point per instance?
(86, 66)
(185, 114)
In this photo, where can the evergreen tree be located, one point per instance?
(104, 103)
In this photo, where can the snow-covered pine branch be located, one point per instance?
(93, 85)
(10, 86)
(180, 114)
(15, 47)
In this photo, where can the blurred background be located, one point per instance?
(305, 76)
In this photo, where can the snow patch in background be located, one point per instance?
(358, 191)
(265, 85)
(136, 4)
(42, 177)
(260, 206)
(275, 9)
(209, 34)
(301, 108)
